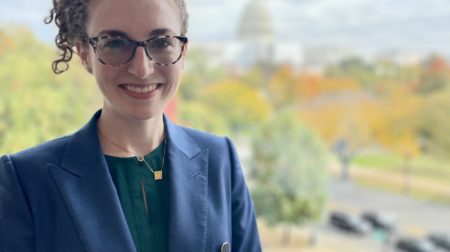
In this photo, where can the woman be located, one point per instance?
(130, 180)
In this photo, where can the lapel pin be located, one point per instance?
(225, 247)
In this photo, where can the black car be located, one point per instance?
(349, 223)
(440, 240)
(383, 221)
(410, 244)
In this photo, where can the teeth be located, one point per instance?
(141, 90)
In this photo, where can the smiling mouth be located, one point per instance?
(140, 89)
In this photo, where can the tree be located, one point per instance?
(398, 133)
(435, 77)
(283, 87)
(356, 69)
(198, 75)
(35, 104)
(196, 115)
(434, 124)
(288, 173)
(241, 106)
(341, 114)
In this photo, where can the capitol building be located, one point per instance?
(255, 42)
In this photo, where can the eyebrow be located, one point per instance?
(156, 32)
(160, 31)
(113, 33)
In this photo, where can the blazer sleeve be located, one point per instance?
(16, 222)
(245, 237)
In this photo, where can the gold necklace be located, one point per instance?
(158, 175)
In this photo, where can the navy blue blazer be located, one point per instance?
(59, 197)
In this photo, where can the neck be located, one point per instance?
(135, 137)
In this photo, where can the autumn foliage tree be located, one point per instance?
(243, 107)
(435, 76)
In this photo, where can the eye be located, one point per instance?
(160, 43)
(114, 43)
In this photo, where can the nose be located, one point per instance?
(140, 65)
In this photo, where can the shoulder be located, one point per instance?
(222, 152)
(208, 140)
(49, 152)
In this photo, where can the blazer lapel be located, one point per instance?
(188, 176)
(89, 193)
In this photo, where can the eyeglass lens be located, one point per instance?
(118, 50)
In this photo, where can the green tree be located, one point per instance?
(196, 115)
(198, 75)
(241, 106)
(288, 173)
(356, 69)
(434, 124)
(35, 104)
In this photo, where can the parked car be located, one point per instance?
(440, 240)
(377, 220)
(411, 244)
(349, 223)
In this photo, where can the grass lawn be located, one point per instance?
(399, 189)
(430, 177)
(425, 166)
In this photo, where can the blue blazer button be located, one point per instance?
(225, 247)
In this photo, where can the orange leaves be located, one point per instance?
(287, 86)
(399, 131)
(366, 120)
(344, 115)
(371, 105)
(437, 64)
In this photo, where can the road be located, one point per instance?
(415, 217)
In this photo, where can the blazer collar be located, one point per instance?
(89, 192)
(188, 180)
(84, 149)
(180, 139)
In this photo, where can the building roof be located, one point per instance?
(256, 22)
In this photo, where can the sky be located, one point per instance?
(370, 26)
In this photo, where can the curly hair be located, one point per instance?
(70, 16)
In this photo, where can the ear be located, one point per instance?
(82, 49)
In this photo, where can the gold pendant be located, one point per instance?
(158, 175)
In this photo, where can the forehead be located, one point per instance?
(137, 18)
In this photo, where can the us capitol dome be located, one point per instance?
(256, 23)
(255, 42)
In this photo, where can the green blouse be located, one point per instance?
(144, 200)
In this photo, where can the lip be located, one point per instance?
(140, 91)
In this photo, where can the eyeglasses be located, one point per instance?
(119, 50)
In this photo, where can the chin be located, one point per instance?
(146, 115)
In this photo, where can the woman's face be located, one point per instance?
(138, 89)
